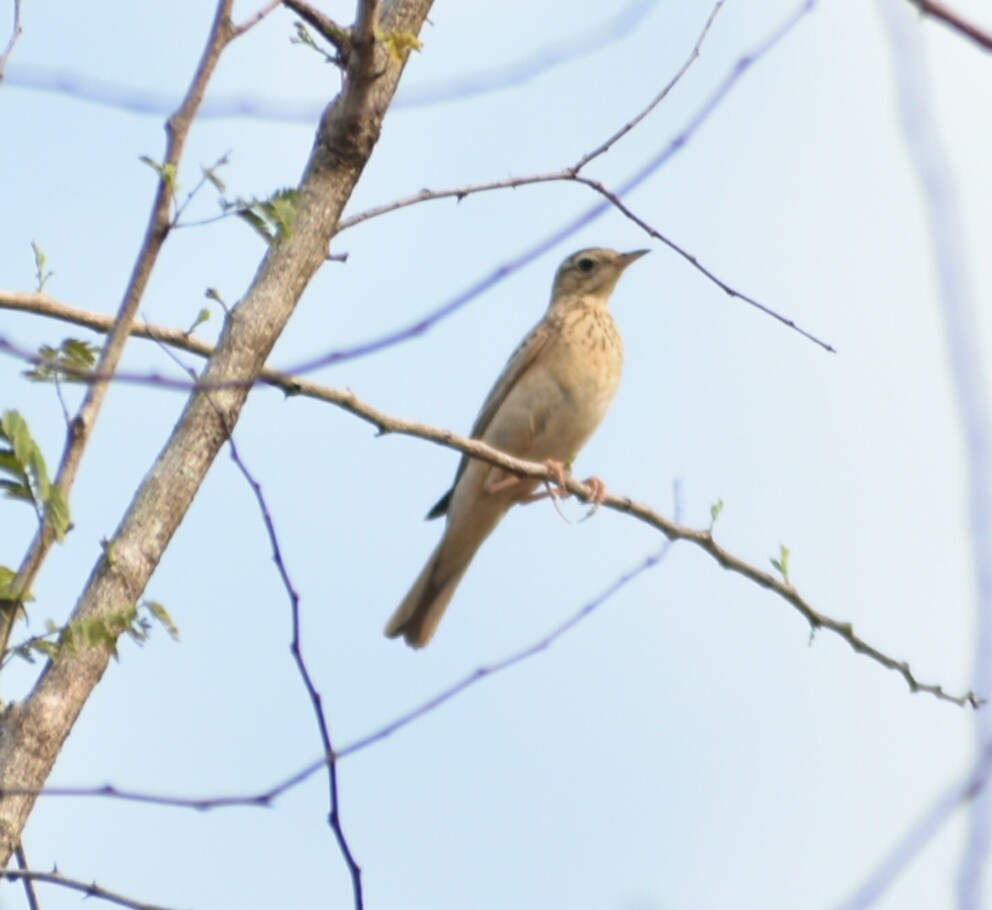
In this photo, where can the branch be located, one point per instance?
(955, 21)
(29, 893)
(14, 35)
(612, 198)
(288, 110)
(316, 702)
(702, 538)
(34, 730)
(80, 428)
(89, 889)
(960, 793)
(329, 30)
(959, 310)
(266, 797)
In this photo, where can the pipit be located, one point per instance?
(550, 397)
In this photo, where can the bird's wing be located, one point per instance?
(519, 363)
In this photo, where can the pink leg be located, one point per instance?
(525, 483)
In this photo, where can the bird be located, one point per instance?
(547, 402)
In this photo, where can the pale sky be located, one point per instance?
(687, 746)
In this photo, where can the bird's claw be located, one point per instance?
(597, 495)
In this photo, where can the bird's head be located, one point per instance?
(591, 273)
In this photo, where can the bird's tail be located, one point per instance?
(417, 617)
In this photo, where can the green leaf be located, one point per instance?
(399, 44)
(210, 175)
(7, 590)
(41, 275)
(161, 615)
(57, 513)
(201, 317)
(782, 563)
(715, 511)
(166, 172)
(27, 477)
(62, 363)
(273, 219)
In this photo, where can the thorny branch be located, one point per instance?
(386, 423)
(88, 889)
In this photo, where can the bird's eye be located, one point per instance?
(586, 264)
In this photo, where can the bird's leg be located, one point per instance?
(500, 484)
(556, 488)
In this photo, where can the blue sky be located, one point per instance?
(688, 745)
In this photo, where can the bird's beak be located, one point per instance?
(627, 258)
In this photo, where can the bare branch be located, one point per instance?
(698, 266)
(262, 799)
(942, 13)
(703, 538)
(329, 30)
(613, 198)
(29, 893)
(539, 646)
(627, 127)
(916, 838)
(88, 889)
(316, 702)
(965, 355)
(255, 18)
(14, 35)
(286, 110)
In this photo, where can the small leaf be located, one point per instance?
(166, 172)
(715, 511)
(272, 219)
(64, 362)
(201, 317)
(41, 275)
(8, 592)
(399, 44)
(57, 513)
(48, 648)
(210, 175)
(782, 563)
(162, 616)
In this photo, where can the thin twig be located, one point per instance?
(919, 835)
(959, 311)
(89, 889)
(542, 644)
(266, 797)
(330, 31)
(222, 31)
(14, 35)
(255, 18)
(316, 702)
(296, 648)
(29, 893)
(942, 13)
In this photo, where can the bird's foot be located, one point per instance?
(556, 488)
(597, 496)
(560, 475)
